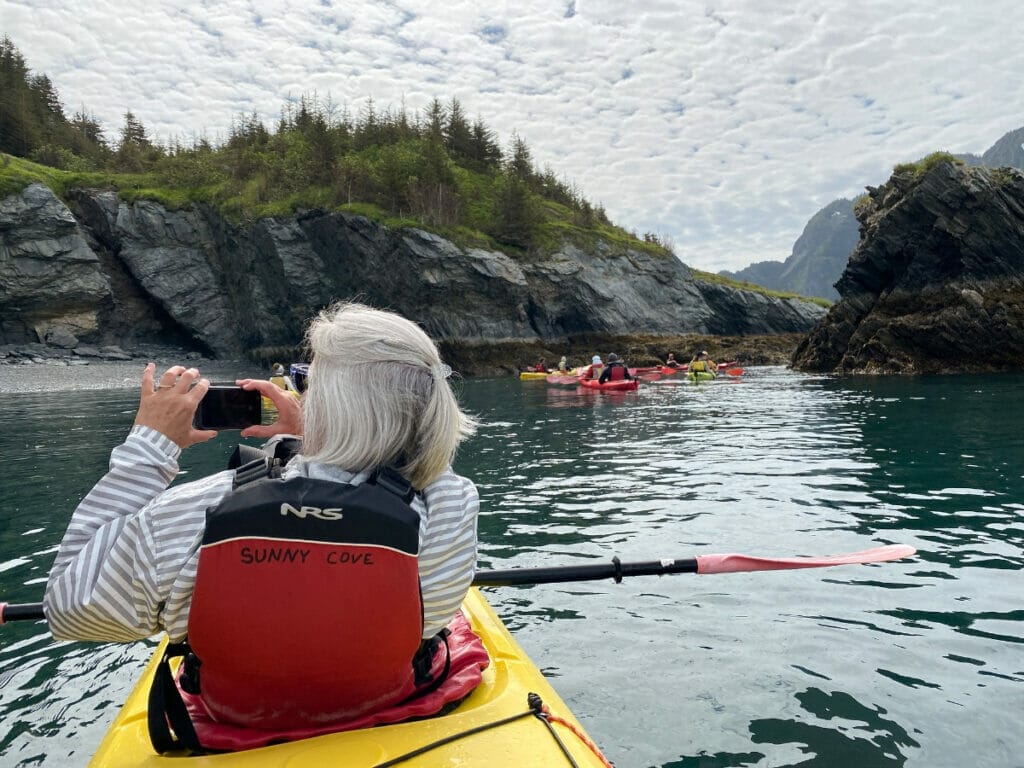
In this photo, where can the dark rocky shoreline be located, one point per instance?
(508, 358)
(469, 360)
(38, 353)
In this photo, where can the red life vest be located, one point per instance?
(616, 371)
(306, 618)
(306, 606)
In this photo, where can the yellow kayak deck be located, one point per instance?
(502, 693)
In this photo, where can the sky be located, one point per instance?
(722, 127)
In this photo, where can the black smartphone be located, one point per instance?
(225, 406)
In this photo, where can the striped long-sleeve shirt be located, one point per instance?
(127, 564)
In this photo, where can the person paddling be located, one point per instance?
(590, 372)
(671, 361)
(702, 363)
(307, 592)
(279, 378)
(614, 370)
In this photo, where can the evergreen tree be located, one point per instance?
(367, 132)
(434, 128)
(19, 133)
(517, 216)
(135, 151)
(485, 152)
(458, 136)
(520, 162)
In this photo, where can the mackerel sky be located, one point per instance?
(722, 126)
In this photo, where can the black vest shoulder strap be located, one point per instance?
(170, 727)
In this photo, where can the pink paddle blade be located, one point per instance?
(648, 376)
(733, 563)
(735, 371)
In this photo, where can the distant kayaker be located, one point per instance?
(380, 426)
(702, 362)
(591, 370)
(671, 362)
(279, 378)
(614, 370)
(563, 365)
(541, 366)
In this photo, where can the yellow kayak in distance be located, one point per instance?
(532, 375)
(501, 694)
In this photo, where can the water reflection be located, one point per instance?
(856, 735)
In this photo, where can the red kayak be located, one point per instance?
(623, 385)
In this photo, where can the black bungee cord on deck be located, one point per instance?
(537, 709)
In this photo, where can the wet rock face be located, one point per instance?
(191, 277)
(937, 281)
(51, 282)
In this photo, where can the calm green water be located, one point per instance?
(914, 663)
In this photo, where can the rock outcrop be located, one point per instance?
(937, 281)
(108, 271)
(52, 285)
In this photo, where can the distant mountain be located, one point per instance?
(1008, 151)
(821, 252)
(818, 258)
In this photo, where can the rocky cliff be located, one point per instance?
(937, 281)
(98, 269)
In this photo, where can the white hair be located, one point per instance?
(378, 393)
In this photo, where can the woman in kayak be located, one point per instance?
(671, 362)
(614, 370)
(590, 372)
(281, 379)
(378, 396)
(702, 362)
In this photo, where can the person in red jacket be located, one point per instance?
(614, 370)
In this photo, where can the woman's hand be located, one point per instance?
(289, 410)
(170, 405)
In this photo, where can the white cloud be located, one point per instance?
(722, 126)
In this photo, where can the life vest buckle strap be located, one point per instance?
(390, 479)
(189, 678)
(257, 469)
(423, 661)
(170, 727)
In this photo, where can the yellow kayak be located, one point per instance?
(530, 375)
(508, 679)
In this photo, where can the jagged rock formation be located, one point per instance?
(107, 271)
(819, 255)
(937, 281)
